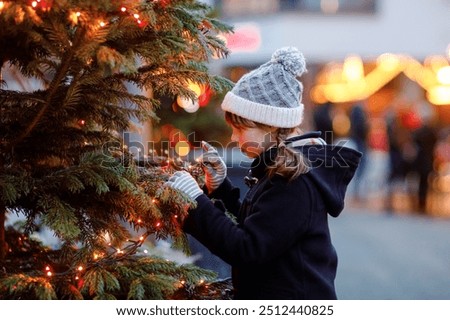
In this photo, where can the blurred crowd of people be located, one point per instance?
(416, 147)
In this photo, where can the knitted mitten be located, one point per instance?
(184, 182)
(214, 166)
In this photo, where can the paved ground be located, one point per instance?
(391, 257)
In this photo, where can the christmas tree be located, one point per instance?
(62, 158)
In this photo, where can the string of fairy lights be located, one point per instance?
(74, 16)
(115, 254)
(202, 93)
(121, 253)
(76, 272)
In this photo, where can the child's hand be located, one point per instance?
(214, 166)
(184, 182)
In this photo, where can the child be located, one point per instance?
(280, 247)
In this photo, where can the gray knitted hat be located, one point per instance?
(271, 94)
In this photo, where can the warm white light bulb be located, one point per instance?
(443, 75)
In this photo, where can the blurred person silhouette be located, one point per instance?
(425, 138)
(402, 150)
(442, 149)
(359, 129)
(279, 245)
(323, 121)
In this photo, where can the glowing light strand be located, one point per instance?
(46, 5)
(114, 256)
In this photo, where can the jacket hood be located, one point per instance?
(332, 168)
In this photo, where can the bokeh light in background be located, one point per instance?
(182, 148)
(203, 95)
(348, 81)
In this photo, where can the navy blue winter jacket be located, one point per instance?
(280, 247)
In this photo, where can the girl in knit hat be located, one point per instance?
(280, 246)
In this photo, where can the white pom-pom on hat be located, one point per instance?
(291, 59)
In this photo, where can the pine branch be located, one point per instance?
(3, 244)
(61, 73)
(63, 163)
(21, 286)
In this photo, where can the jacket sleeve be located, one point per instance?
(229, 195)
(278, 218)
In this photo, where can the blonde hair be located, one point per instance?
(288, 163)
